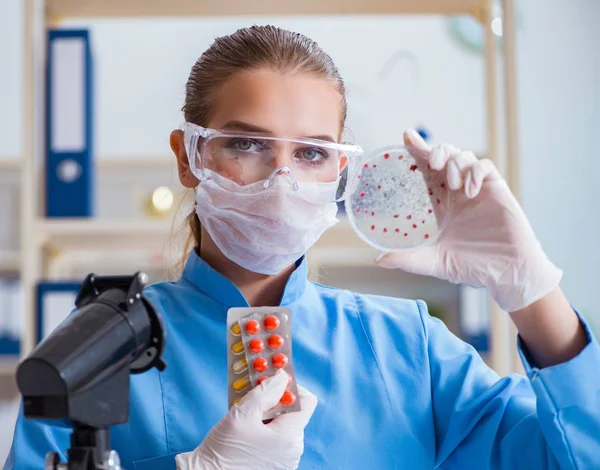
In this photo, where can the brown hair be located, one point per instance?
(250, 49)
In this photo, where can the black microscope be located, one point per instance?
(80, 372)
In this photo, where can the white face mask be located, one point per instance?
(263, 229)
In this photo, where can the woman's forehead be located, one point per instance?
(290, 104)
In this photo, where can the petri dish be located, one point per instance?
(397, 201)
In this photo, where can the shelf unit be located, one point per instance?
(340, 246)
(123, 234)
(10, 261)
(8, 365)
(144, 8)
(162, 162)
(10, 258)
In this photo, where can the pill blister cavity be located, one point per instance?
(260, 364)
(256, 346)
(241, 384)
(271, 323)
(252, 327)
(261, 379)
(279, 360)
(275, 342)
(288, 398)
(240, 366)
(237, 348)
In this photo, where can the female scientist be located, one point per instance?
(386, 386)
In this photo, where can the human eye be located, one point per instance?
(312, 155)
(245, 145)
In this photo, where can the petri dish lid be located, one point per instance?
(397, 201)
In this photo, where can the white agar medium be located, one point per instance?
(399, 202)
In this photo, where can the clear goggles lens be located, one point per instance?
(309, 165)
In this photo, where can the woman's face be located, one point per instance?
(281, 104)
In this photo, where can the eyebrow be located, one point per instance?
(246, 127)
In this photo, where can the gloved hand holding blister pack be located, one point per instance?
(241, 440)
(484, 238)
(268, 410)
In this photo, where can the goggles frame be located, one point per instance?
(193, 133)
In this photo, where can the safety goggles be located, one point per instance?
(321, 171)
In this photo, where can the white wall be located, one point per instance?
(11, 73)
(141, 69)
(559, 93)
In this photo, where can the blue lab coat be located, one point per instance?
(396, 389)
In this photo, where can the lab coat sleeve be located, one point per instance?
(33, 439)
(549, 420)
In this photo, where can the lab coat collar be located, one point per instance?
(206, 279)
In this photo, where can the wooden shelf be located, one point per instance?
(8, 365)
(10, 260)
(342, 235)
(9, 164)
(125, 234)
(335, 257)
(338, 246)
(162, 163)
(62, 9)
(109, 163)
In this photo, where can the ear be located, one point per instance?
(343, 162)
(186, 177)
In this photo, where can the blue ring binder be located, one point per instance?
(69, 125)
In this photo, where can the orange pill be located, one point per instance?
(252, 327)
(255, 345)
(279, 360)
(288, 398)
(275, 342)
(260, 364)
(271, 323)
(261, 379)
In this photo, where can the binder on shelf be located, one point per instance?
(55, 301)
(11, 310)
(69, 125)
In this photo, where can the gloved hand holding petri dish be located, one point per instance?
(398, 202)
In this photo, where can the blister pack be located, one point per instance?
(259, 343)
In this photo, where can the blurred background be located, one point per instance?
(112, 204)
